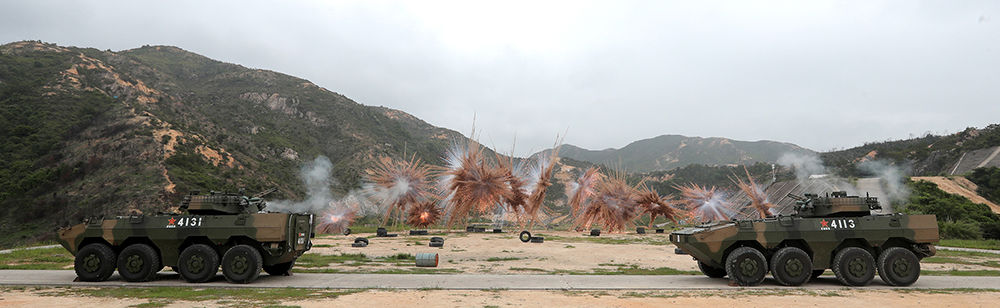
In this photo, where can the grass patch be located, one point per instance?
(162, 296)
(978, 244)
(37, 259)
(961, 273)
(312, 260)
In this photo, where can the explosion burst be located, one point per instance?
(542, 176)
(758, 199)
(613, 205)
(397, 184)
(472, 184)
(653, 204)
(580, 191)
(705, 203)
(423, 214)
(335, 219)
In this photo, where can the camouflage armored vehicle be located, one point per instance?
(231, 230)
(837, 231)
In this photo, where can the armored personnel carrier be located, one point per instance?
(231, 230)
(835, 231)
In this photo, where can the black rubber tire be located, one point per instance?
(347, 231)
(241, 264)
(711, 271)
(359, 244)
(138, 263)
(537, 239)
(280, 269)
(898, 266)
(816, 274)
(595, 232)
(525, 236)
(436, 244)
(437, 239)
(854, 266)
(362, 239)
(746, 266)
(95, 262)
(791, 266)
(198, 263)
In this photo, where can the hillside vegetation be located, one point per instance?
(89, 132)
(668, 152)
(927, 155)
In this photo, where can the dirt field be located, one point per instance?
(562, 252)
(445, 298)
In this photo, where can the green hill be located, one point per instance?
(668, 152)
(89, 132)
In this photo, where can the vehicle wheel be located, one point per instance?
(198, 263)
(138, 262)
(747, 266)
(525, 236)
(280, 269)
(94, 262)
(710, 271)
(816, 274)
(241, 264)
(791, 266)
(854, 266)
(898, 266)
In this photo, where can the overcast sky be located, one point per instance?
(819, 74)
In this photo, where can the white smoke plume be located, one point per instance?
(892, 179)
(316, 177)
(805, 165)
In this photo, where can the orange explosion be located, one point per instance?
(335, 220)
(423, 214)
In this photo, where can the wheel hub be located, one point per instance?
(240, 264)
(793, 267)
(91, 263)
(748, 267)
(857, 267)
(196, 264)
(901, 267)
(133, 263)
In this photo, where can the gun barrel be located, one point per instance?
(796, 197)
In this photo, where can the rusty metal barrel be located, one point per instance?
(427, 259)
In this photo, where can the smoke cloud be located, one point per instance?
(892, 179)
(804, 165)
(316, 177)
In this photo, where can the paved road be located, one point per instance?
(968, 249)
(471, 281)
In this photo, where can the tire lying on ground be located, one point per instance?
(854, 266)
(95, 262)
(791, 266)
(898, 266)
(361, 239)
(138, 262)
(710, 271)
(198, 263)
(537, 239)
(241, 264)
(525, 236)
(746, 266)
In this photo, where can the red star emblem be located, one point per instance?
(171, 221)
(824, 223)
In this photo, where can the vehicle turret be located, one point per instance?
(835, 204)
